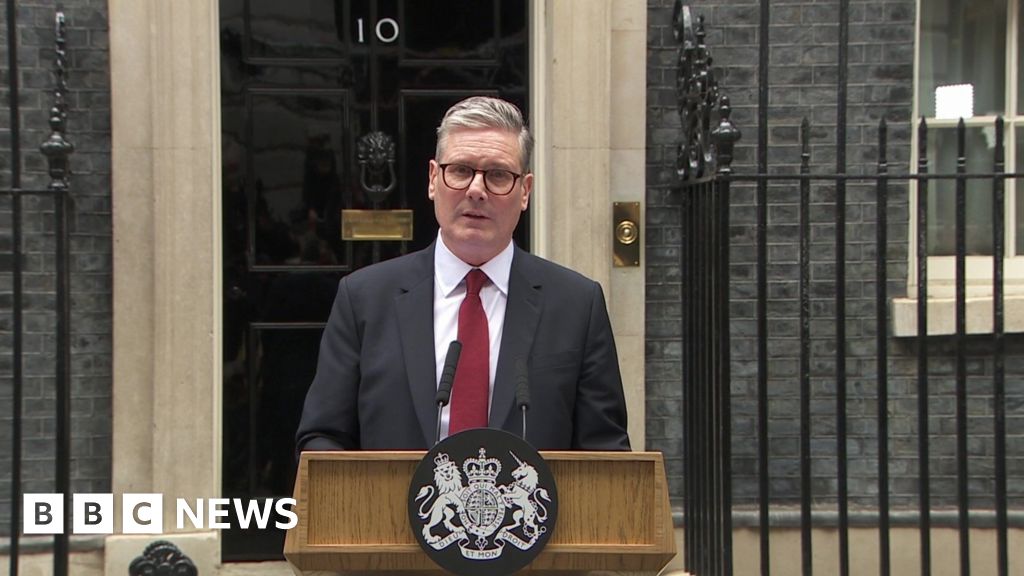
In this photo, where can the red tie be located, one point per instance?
(470, 392)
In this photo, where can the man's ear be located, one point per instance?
(432, 171)
(527, 189)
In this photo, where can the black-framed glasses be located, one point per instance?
(497, 181)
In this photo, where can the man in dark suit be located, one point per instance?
(385, 342)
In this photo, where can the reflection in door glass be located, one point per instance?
(297, 159)
(297, 29)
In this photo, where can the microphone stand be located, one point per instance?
(444, 388)
(522, 390)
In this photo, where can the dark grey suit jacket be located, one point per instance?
(375, 382)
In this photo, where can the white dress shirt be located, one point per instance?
(449, 291)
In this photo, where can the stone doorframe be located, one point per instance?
(587, 59)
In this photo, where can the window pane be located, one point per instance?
(979, 144)
(963, 42)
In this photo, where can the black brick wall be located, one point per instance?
(90, 226)
(803, 72)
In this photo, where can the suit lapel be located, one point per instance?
(522, 312)
(415, 308)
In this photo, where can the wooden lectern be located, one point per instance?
(613, 515)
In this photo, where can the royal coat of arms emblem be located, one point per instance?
(471, 507)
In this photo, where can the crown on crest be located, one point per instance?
(482, 469)
(441, 460)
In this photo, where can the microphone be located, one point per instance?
(522, 390)
(444, 388)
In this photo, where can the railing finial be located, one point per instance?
(724, 136)
(56, 148)
(707, 143)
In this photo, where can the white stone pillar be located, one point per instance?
(589, 111)
(166, 218)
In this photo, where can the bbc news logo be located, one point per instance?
(144, 513)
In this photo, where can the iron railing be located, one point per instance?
(705, 302)
(56, 149)
(708, 181)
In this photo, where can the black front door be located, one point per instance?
(317, 97)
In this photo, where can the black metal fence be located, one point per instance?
(56, 149)
(708, 183)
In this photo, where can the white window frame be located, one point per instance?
(942, 269)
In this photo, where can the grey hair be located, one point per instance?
(486, 112)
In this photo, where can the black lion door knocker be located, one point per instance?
(376, 154)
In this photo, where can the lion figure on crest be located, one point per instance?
(449, 485)
(524, 496)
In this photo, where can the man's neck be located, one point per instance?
(474, 258)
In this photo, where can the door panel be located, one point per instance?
(298, 147)
(297, 29)
(451, 31)
(302, 82)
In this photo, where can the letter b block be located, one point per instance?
(43, 514)
(92, 513)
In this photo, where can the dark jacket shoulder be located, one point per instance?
(401, 272)
(540, 271)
